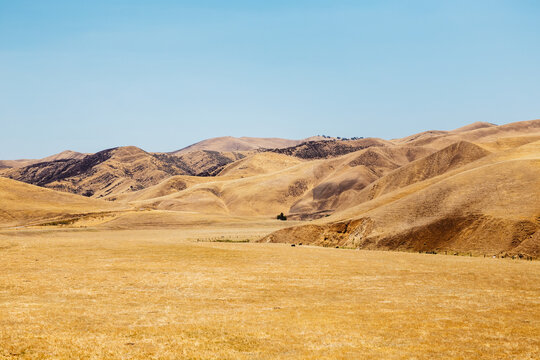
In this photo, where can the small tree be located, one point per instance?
(281, 217)
(88, 193)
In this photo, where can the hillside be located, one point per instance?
(107, 172)
(452, 157)
(260, 163)
(476, 132)
(246, 189)
(234, 144)
(64, 155)
(357, 170)
(489, 206)
(27, 204)
(207, 162)
(119, 170)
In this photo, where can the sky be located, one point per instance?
(162, 74)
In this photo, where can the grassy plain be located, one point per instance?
(161, 294)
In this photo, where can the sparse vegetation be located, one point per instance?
(231, 240)
(88, 193)
(282, 217)
(60, 222)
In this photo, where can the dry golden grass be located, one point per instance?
(143, 294)
(24, 204)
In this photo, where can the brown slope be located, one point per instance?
(357, 171)
(255, 195)
(491, 208)
(233, 144)
(22, 203)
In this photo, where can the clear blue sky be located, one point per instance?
(89, 75)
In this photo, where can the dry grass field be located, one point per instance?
(160, 294)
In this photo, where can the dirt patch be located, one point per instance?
(297, 188)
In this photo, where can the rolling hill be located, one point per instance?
(119, 170)
(248, 187)
(235, 144)
(24, 204)
(67, 154)
(490, 205)
(475, 189)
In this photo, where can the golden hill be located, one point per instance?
(470, 189)
(438, 163)
(354, 172)
(23, 204)
(207, 162)
(488, 206)
(260, 163)
(234, 144)
(247, 189)
(476, 132)
(110, 173)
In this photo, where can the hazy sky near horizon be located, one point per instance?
(163, 74)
